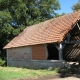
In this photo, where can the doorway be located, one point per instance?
(53, 53)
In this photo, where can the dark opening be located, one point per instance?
(52, 52)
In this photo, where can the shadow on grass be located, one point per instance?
(73, 70)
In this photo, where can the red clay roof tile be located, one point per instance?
(53, 30)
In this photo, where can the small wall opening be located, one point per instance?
(53, 53)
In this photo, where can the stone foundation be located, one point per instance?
(36, 64)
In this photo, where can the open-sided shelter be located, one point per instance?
(46, 44)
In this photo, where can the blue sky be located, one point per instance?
(66, 6)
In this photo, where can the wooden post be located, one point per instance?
(60, 52)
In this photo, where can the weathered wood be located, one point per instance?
(71, 42)
(68, 39)
(56, 45)
(60, 52)
(78, 26)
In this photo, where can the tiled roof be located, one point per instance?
(53, 30)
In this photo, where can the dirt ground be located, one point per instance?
(71, 73)
(55, 77)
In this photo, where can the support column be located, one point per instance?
(60, 52)
(46, 51)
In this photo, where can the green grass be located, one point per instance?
(12, 73)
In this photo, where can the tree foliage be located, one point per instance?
(16, 14)
(76, 7)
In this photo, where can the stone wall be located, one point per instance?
(37, 64)
(31, 57)
(21, 53)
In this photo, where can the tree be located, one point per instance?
(76, 7)
(16, 14)
(58, 15)
(28, 12)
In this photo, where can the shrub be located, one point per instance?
(2, 62)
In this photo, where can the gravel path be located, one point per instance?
(68, 78)
(55, 77)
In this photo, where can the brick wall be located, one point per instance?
(38, 52)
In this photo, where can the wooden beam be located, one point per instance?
(78, 26)
(71, 42)
(56, 45)
(60, 52)
(68, 39)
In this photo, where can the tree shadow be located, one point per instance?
(73, 70)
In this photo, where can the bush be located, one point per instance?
(2, 62)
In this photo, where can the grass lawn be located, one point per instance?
(12, 73)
